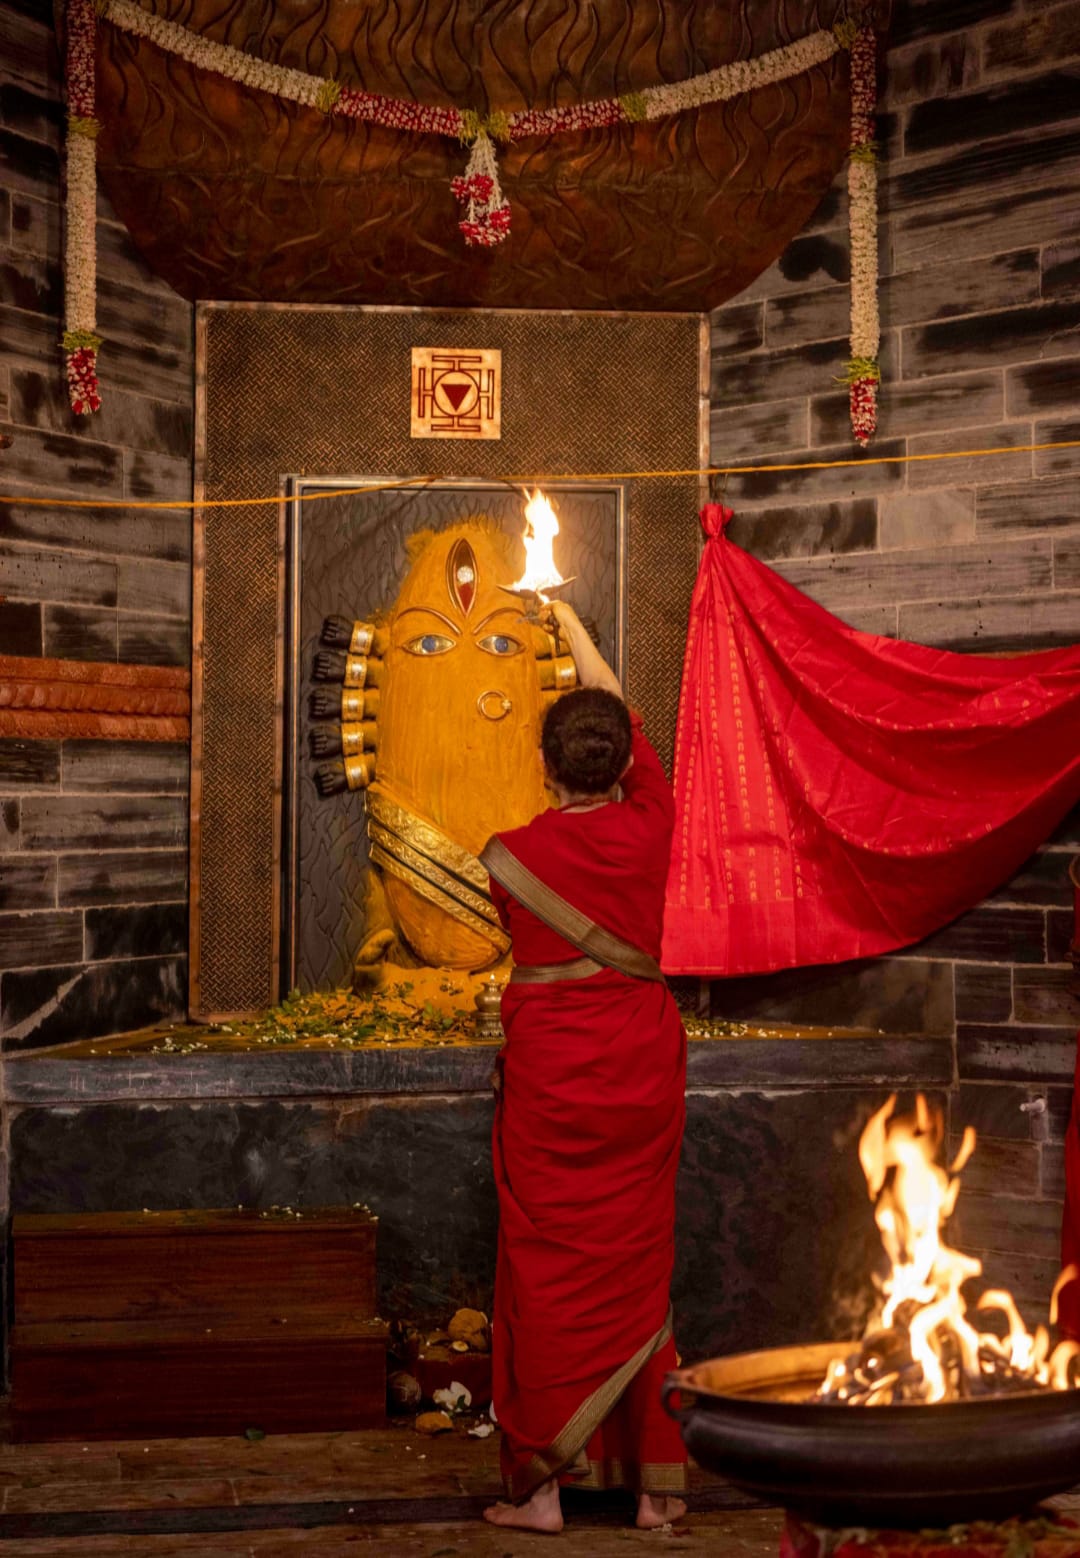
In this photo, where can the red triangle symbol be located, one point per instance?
(455, 393)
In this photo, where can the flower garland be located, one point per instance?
(863, 372)
(80, 238)
(485, 221)
(485, 215)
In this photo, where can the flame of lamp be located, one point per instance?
(541, 528)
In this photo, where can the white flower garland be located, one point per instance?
(486, 217)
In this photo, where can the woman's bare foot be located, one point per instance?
(542, 1512)
(654, 1512)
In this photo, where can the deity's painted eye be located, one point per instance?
(500, 644)
(429, 644)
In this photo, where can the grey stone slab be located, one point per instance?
(80, 633)
(1060, 925)
(1044, 879)
(928, 70)
(1049, 462)
(911, 297)
(785, 375)
(843, 1061)
(944, 516)
(937, 18)
(27, 883)
(163, 588)
(161, 533)
(28, 48)
(1026, 104)
(855, 476)
(9, 824)
(72, 822)
(1061, 270)
(5, 233)
(1046, 330)
(1048, 995)
(991, 933)
(1067, 565)
(145, 930)
(1013, 626)
(981, 468)
(1006, 568)
(968, 222)
(28, 573)
(999, 1110)
(1029, 1278)
(806, 530)
(983, 992)
(1013, 1225)
(996, 1167)
(35, 225)
(28, 765)
(955, 401)
(122, 876)
(148, 640)
(31, 940)
(992, 168)
(154, 318)
(29, 282)
(134, 766)
(882, 621)
(739, 327)
(814, 259)
(20, 628)
(31, 110)
(36, 940)
(1059, 1107)
(27, 165)
(1019, 1052)
(39, 400)
(1042, 386)
(1052, 1172)
(43, 1006)
(742, 433)
(892, 995)
(158, 477)
(1045, 38)
(1025, 506)
(1067, 832)
(63, 463)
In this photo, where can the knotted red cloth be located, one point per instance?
(839, 794)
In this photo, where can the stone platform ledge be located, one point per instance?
(138, 1066)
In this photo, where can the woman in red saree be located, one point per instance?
(589, 1121)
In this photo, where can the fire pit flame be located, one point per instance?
(920, 1344)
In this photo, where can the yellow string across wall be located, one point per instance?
(535, 479)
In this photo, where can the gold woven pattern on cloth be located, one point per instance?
(426, 838)
(421, 865)
(457, 911)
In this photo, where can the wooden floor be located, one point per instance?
(381, 1494)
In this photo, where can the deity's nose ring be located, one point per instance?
(494, 705)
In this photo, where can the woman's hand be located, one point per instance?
(592, 669)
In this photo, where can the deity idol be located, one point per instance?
(440, 711)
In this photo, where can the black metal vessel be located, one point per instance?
(748, 1418)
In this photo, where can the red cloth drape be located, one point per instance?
(587, 1136)
(839, 794)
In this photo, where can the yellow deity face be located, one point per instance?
(459, 718)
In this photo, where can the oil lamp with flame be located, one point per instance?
(935, 1416)
(541, 578)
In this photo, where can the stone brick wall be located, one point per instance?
(92, 834)
(980, 301)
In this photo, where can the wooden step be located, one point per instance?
(175, 1378)
(316, 1263)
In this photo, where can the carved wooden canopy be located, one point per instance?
(232, 194)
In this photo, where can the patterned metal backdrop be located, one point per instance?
(317, 391)
(352, 562)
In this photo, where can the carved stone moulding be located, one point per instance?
(231, 194)
(65, 699)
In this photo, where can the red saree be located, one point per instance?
(586, 1144)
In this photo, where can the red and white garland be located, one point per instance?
(863, 372)
(81, 341)
(485, 212)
